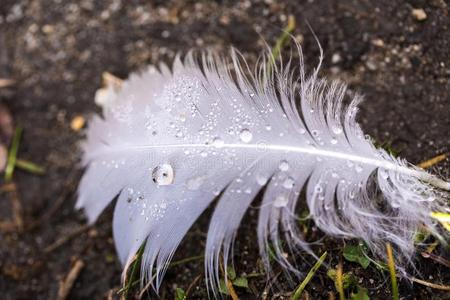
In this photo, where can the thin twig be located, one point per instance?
(17, 210)
(431, 285)
(66, 191)
(436, 258)
(58, 243)
(186, 260)
(66, 285)
(231, 289)
(193, 283)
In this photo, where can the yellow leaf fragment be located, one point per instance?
(443, 218)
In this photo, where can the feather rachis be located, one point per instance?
(175, 117)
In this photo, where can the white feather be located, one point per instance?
(170, 141)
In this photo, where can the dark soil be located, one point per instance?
(57, 50)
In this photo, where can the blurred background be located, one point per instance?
(53, 55)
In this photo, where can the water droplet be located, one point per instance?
(203, 154)
(335, 175)
(333, 141)
(218, 142)
(318, 189)
(358, 168)
(288, 183)
(315, 133)
(248, 190)
(281, 201)
(261, 179)
(163, 174)
(302, 131)
(283, 166)
(268, 127)
(351, 194)
(337, 130)
(245, 135)
(195, 183)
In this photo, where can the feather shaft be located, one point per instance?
(380, 163)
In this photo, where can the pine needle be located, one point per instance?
(391, 265)
(431, 162)
(298, 292)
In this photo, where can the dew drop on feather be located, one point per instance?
(337, 130)
(261, 179)
(245, 135)
(281, 201)
(283, 166)
(163, 174)
(218, 142)
(288, 183)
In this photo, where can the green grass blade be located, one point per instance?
(391, 265)
(12, 154)
(298, 292)
(29, 166)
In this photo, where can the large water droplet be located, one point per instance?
(245, 135)
(163, 174)
(281, 201)
(318, 189)
(283, 166)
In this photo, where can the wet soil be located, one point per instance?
(57, 50)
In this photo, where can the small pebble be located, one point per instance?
(336, 58)
(378, 42)
(419, 14)
(77, 123)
